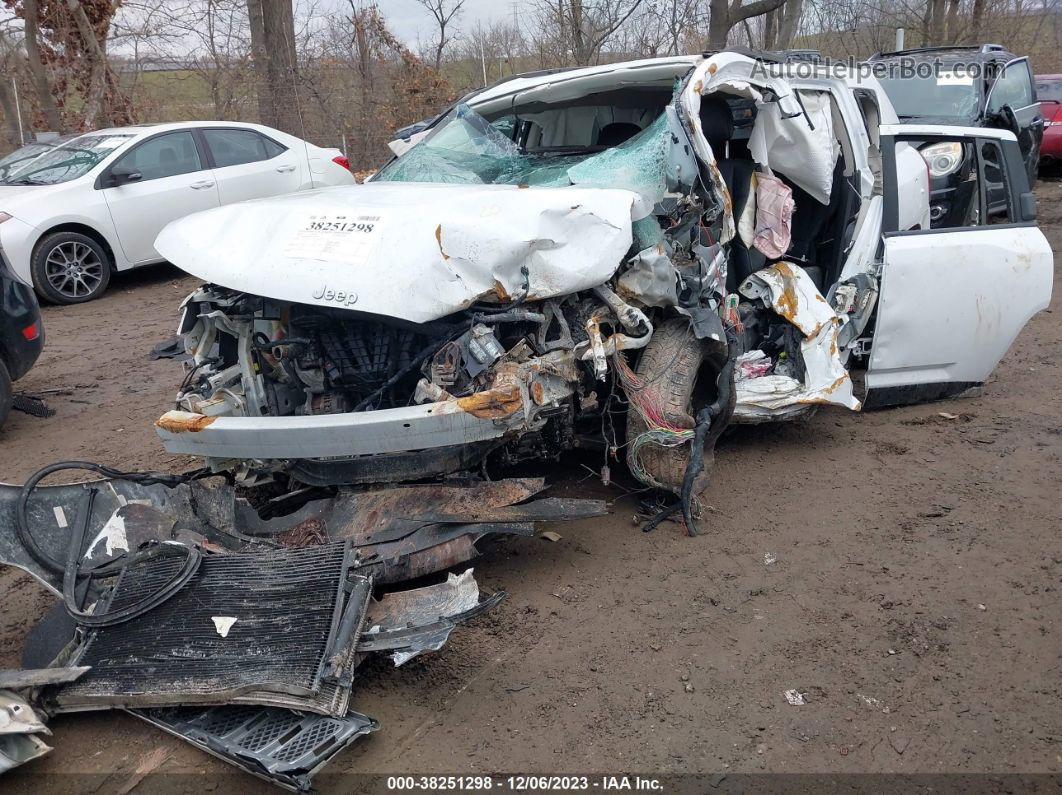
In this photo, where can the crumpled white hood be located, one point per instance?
(414, 251)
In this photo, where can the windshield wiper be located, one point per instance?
(24, 181)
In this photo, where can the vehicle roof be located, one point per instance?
(151, 128)
(980, 52)
(521, 82)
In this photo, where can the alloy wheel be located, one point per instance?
(73, 269)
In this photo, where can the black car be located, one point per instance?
(21, 333)
(970, 86)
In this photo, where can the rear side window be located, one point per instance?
(164, 156)
(236, 147)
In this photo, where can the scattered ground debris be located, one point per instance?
(32, 405)
(307, 532)
(238, 633)
(282, 746)
(795, 698)
(19, 727)
(170, 349)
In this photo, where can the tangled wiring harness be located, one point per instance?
(73, 568)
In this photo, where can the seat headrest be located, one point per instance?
(616, 133)
(717, 120)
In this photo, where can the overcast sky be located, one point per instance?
(407, 19)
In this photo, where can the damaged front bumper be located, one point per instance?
(405, 442)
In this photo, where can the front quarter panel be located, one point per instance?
(17, 239)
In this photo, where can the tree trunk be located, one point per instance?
(951, 20)
(790, 22)
(936, 22)
(575, 20)
(7, 102)
(724, 17)
(266, 113)
(976, 20)
(36, 66)
(770, 29)
(94, 111)
(718, 24)
(278, 34)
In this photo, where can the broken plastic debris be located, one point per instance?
(947, 415)
(769, 558)
(549, 535)
(223, 624)
(795, 698)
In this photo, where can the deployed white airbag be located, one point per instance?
(414, 251)
(805, 153)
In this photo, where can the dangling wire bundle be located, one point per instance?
(659, 431)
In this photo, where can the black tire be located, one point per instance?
(669, 365)
(7, 393)
(70, 268)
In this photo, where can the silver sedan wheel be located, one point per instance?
(73, 269)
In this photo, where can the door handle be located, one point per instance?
(285, 169)
(203, 183)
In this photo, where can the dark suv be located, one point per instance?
(976, 86)
(21, 333)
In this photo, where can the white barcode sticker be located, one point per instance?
(349, 237)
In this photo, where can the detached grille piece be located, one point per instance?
(280, 745)
(248, 628)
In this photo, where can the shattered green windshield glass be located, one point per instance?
(466, 149)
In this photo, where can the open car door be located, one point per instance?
(953, 299)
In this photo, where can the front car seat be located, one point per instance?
(717, 122)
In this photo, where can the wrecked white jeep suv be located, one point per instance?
(641, 252)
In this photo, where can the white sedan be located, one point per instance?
(96, 203)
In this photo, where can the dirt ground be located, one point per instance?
(914, 593)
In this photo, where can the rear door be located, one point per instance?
(250, 165)
(174, 182)
(1014, 88)
(953, 299)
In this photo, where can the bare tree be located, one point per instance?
(576, 31)
(790, 21)
(272, 25)
(444, 12)
(214, 36)
(41, 86)
(728, 13)
(8, 60)
(666, 24)
(97, 84)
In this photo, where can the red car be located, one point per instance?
(1049, 92)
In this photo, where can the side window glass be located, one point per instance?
(165, 156)
(236, 147)
(1013, 87)
(272, 148)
